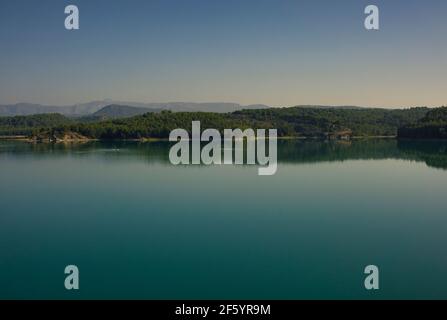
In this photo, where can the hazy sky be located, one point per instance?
(277, 52)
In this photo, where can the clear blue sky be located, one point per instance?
(277, 52)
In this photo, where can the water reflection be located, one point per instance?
(433, 153)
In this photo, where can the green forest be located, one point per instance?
(26, 125)
(290, 122)
(432, 126)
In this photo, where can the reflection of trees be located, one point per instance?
(109, 150)
(433, 153)
(319, 150)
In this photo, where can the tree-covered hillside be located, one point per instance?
(315, 122)
(293, 122)
(432, 126)
(26, 125)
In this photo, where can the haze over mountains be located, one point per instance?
(120, 111)
(120, 108)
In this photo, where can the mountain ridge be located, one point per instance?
(89, 108)
(114, 111)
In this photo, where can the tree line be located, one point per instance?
(290, 122)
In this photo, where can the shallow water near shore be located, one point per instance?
(139, 227)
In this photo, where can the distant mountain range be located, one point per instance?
(110, 108)
(120, 111)
(330, 107)
(24, 109)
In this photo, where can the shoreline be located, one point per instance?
(27, 139)
(14, 138)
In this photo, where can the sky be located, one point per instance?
(275, 52)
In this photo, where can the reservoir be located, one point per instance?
(139, 227)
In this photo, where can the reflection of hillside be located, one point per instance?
(433, 153)
(319, 150)
(117, 150)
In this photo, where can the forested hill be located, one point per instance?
(25, 125)
(293, 122)
(299, 121)
(432, 126)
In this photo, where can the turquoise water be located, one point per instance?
(139, 227)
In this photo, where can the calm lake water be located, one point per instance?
(139, 227)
